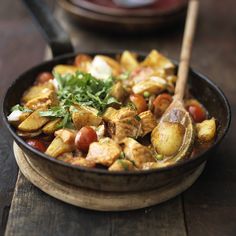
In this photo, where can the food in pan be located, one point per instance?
(103, 112)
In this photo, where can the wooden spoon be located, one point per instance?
(174, 136)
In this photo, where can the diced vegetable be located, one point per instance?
(52, 126)
(153, 85)
(206, 130)
(36, 144)
(161, 103)
(139, 102)
(44, 77)
(33, 122)
(167, 138)
(85, 137)
(128, 61)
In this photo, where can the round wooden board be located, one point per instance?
(98, 200)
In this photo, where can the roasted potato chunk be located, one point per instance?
(119, 92)
(65, 69)
(104, 152)
(52, 126)
(157, 60)
(33, 122)
(80, 161)
(16, 117)
(122, 165)
(58, 147)
(152, 85)
(167, 138)
(128, 61)
(136, 152)
(37, 91)
(148, 122)
(206, 130)
(85, 116)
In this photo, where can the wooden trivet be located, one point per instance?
(99, 200)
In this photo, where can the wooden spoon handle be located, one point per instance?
(185, 55)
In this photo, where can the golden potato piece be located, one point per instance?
(109, 114)
(128, 61)
(58, 147)
(153, 85)
(85, 116)
(206, 130)
(37, 91)
(33, 122)
(65, 69)
(122, 165)
(16, 117)
(157, 60)
(67, 135)
(52, 126)
(167, 138)
(119, 92)
(46, 99)
(80, 161)
(148, 122)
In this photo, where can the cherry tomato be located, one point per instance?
(198, 114)
(81, 59)
(44, 77)
(139, 102)
(37, 144)
(85, 137)
(161, 103)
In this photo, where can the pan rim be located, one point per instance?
(104, 171)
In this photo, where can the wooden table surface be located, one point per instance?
(207, 208)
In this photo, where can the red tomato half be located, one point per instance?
(198, 114)
(161, 103)
(85, 137)
(44, 77)
(139, 102)
(37, 144)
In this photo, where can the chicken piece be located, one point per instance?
(128, 61)
(80, 161)
(45, 100)
(122, 165)
(152, 85)
(65, 69)
(52, 126)
(119, 92)
(104, 152)
(37, 91)
(154, 165)
(62, 143)
(124, 123)
(137, 153)
(33, 122)
(157, 60)
(84, 116)
(206, 130)
(148, 122)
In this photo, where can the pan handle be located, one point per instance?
(58, 40)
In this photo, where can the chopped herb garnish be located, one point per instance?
(122, 155)
(146, 94)
(18, 107)
(137, 118)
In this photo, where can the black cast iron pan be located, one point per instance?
(201, 87)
